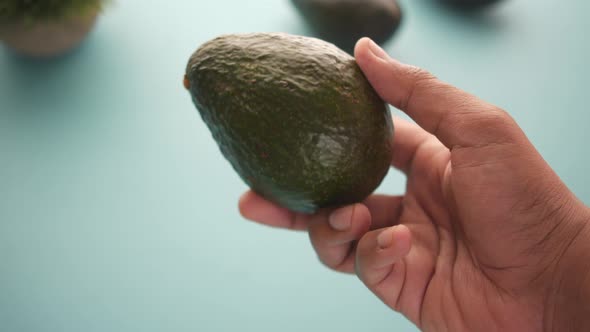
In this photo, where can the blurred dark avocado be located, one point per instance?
(469, 4)
(344, 22)
(295, 116)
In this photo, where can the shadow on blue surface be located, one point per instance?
(53, 98)
(27, 74)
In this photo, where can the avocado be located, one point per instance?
(344, 22)
(469, 4)
(294, 116)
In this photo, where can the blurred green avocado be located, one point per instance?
(344, 22)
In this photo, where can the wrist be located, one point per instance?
(567, 306)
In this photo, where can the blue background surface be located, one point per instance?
(118, 213)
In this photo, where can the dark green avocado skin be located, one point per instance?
(294, 116)
(344, 22)
(470, 4)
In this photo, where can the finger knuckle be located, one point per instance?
(497, 115)
(496, 120)
(483, 125)
(419, 74)
(331, 264)
(337, 261)
(320, 238)
(421, 79)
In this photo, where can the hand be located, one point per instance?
(484, 235)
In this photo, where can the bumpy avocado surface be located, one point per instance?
(344, 22)
(294, 116)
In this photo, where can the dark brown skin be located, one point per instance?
(344, 22)
(294, 116)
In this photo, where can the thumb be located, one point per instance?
(455, 117)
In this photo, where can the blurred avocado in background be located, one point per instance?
(344, 22)
(469, 4)
(47, 28)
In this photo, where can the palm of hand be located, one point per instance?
(445, 282)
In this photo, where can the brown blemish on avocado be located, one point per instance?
(186, 82)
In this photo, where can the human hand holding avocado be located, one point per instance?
(486, 237)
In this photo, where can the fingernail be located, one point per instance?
(341, 219)
(385, 239)
(377, 50)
